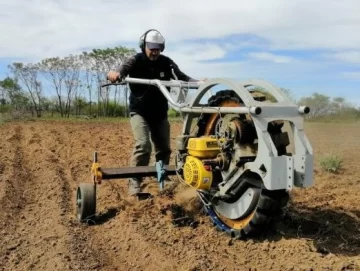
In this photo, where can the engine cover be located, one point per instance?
(204, 147)
(196, 174)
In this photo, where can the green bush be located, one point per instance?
(172, 113)
(331, 163)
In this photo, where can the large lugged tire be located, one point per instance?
(269, 203)
(259, 221)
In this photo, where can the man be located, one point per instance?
(148, 107)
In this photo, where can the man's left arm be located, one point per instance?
(179, 74)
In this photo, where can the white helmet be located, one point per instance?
(153, 40)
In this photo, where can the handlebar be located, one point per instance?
(162, 85)
(189, 107)
(114, 84)
(184, 107)
(155, 82)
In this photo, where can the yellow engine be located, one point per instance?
(195, 173)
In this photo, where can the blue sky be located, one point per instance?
(306, 46)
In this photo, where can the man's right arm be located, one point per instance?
(126, 66)
(123, 71)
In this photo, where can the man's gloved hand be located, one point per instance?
(113, 76)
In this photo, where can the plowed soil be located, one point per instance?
(43, 162)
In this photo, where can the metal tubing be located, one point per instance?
(160, 83)
(239, 88)
(161, 86)
(184, 108)
(274, 90)
(304, 109)
(255, 110)
(235, 110)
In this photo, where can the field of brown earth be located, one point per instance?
(42, 163)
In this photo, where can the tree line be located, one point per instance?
(66, 85)
(323, 107)
(70, 86)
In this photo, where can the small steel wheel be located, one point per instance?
(86, 201)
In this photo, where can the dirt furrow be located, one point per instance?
(42, 163)
(76, 161)
(14, 197)
(38, 233)
(80, 253)
(38, 217)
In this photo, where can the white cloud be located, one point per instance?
(295, 71)
(270, 57)
(42, 28)
(34, 29)
(199, 51)
(351, 56)
(352, 75)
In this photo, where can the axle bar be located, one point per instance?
(132, 172)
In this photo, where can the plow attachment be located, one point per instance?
(243, 149)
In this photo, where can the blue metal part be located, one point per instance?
(161, 173)
(215, 219)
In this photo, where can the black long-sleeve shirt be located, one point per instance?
(130, 63)
(148, 100)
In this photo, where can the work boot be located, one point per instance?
(134, 187)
